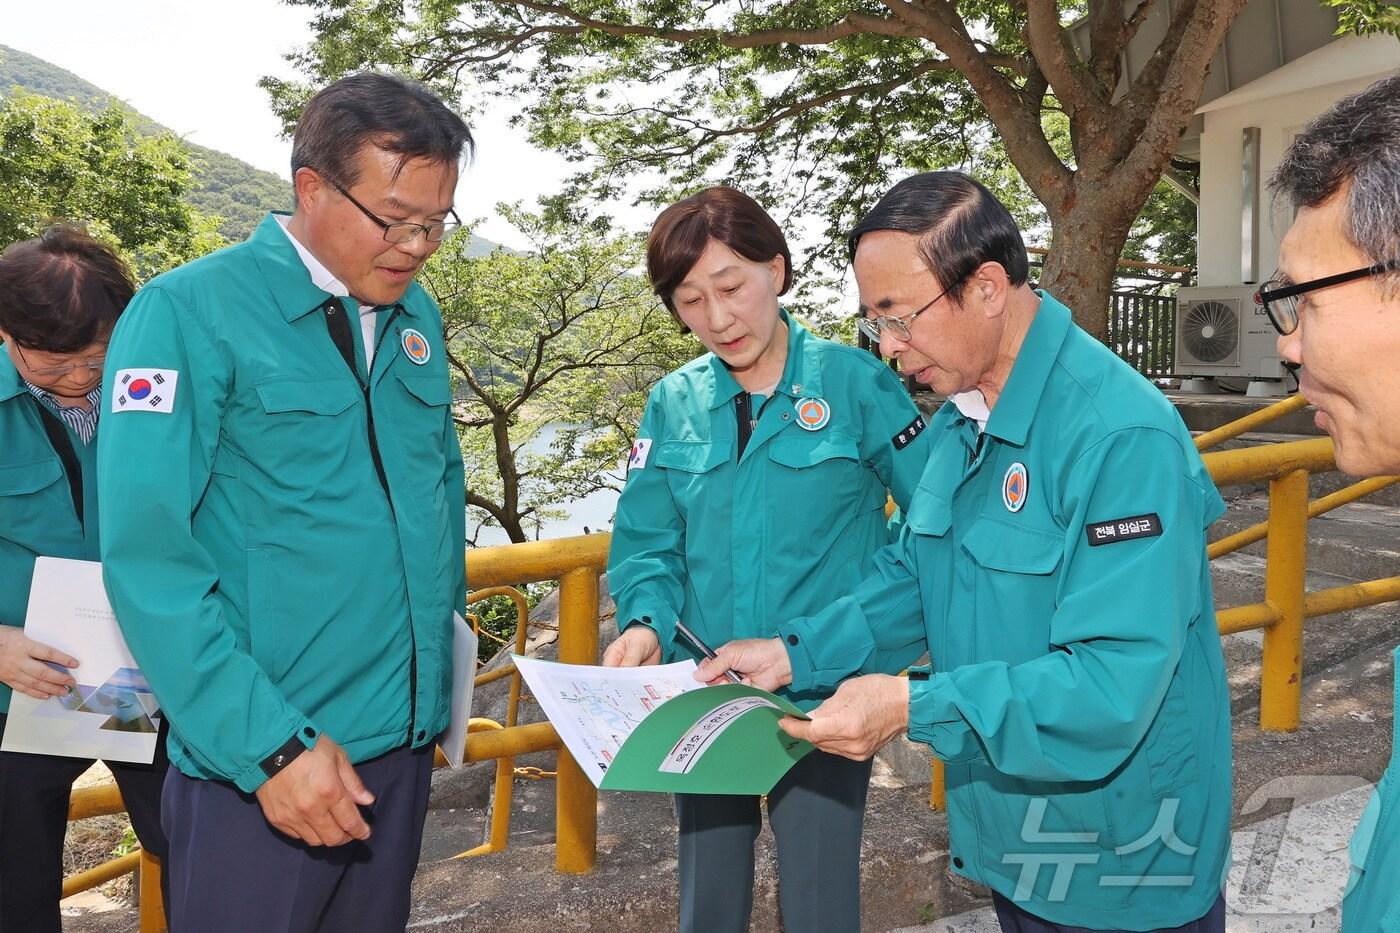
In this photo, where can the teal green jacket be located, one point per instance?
(266, 581)
(1055, 567)
(731, 544)
(1372, 902)
(37, 518)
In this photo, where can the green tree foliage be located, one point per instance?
(565, 334)
(234, 192)
(61, 162)
(1366, 16)
(814, 105)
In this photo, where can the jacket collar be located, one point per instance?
(10, 382)
(1016, 406)
(287, 275)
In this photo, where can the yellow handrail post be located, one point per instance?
(937, 788)
(149, 902)
(1280, 692)
(576, 816)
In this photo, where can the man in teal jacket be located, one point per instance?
(1053, 563)
(62, 293)
(284, 526)
(1336, 304)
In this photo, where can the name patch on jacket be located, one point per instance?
(1123, 529)
(906, 435)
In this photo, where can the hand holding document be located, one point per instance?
(111, 712)
(656, 728)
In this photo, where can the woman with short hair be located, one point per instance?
(756, 491)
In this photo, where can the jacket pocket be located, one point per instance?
(1014, 586)
(33, 500)
(691, 456)
(305, 432)
(689, 467)
(418, 429)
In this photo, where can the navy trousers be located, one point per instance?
(817, 812)
(1015, 920)
(232, 872)
(34, 792)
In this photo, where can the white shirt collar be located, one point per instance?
(973, 406)
(321, 277)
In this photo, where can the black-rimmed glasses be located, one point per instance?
(873, 327)
(1279, 299)
(404, 231)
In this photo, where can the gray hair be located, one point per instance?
(1356, 142)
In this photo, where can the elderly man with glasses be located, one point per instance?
(1053, 564)
(284, 526)
(1336, 304)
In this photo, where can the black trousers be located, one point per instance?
(233, 873)
(1015, 920)
(817, 812)
(34, 792)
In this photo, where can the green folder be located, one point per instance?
(655, 728)
(715, 740)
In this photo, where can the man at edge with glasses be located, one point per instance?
(283, 526)
(1053, 563)
(1336, 305)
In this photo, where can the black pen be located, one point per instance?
(704, 649)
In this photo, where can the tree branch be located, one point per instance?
(1017, 119)
(851, 24)
(1181, 62)
(1056, 56)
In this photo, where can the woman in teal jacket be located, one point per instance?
(60, 295)
(757, 485)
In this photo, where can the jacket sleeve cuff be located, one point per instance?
(935, 721)
(253, 777)
(660, 620)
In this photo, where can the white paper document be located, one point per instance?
(464, 642)
(111, 713)
(595, 709)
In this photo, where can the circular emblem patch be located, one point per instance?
(138, 389)
(813, 413)
(415, 347)
(1014, 487)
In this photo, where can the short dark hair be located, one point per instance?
(960, 225)
(393, 113)
(723, 214)
(62, 290)
(1357, 141)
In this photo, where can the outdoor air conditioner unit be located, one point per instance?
(1220, 331)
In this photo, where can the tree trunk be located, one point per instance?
(1086, 241)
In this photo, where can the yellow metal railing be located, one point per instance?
(576, 563)
(104, 800)
(1249, 422)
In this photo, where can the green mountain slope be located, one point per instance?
(224, 186)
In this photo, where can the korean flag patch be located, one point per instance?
(637, 460)
(145, 390)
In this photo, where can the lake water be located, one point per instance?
(594, 511)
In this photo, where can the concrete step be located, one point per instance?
(1360, 541)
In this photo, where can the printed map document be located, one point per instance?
(655, 728)
(111, 713)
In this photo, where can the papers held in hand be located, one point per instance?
(656, 728)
